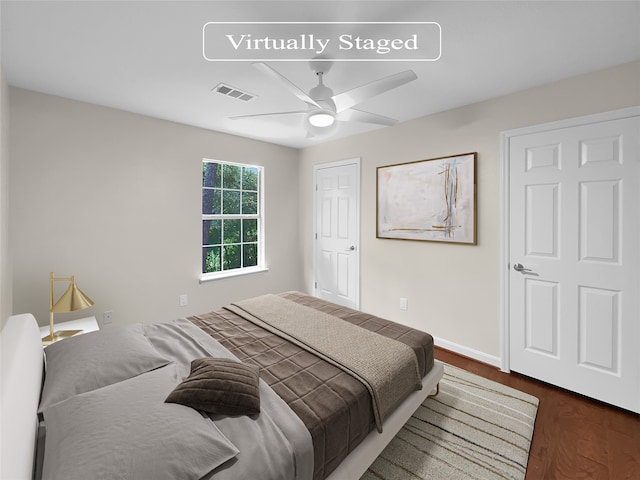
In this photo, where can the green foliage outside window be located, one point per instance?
(230, 208)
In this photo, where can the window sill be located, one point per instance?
(212, 277)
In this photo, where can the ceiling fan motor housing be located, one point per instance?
(322, 94)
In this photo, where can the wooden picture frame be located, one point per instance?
(429, 200)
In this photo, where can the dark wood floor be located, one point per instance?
(574, 437)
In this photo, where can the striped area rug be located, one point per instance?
(475, 429)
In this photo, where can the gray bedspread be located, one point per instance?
(274, 445)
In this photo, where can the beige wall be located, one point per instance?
(453, 290)
(114, 198)
(5, 258)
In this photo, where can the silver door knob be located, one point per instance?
(351, 248)
(518, 267)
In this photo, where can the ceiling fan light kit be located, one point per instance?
(324, 108)
(321, 118)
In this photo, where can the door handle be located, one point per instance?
(351, 248)
(518, 267)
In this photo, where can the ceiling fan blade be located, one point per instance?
(364, 92)
(353, 115)
(237, 117)
(266, 69)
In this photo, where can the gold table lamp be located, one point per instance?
(70, 301)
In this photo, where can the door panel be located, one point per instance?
(600, 222)
(542, 220)
(599, 320)
(541, 316)
(574, 310)
(336, 250)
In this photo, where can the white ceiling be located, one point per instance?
(146, 56)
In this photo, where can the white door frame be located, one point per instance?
(351, 161)
(505, 259)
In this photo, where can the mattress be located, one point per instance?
(335, 407)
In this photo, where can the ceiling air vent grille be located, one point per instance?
(229, 91)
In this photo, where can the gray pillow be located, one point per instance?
(85, 362)
(127, 431)
(221, 386)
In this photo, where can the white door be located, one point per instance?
(574, 289)
(337, 226)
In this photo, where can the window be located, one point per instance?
(231, 218)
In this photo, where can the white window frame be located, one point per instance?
(261, 266)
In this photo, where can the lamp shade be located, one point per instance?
(71, 300)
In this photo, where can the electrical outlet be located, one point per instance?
(183, 300)
(107, 317)
(404, 304)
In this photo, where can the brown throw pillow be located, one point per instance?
(221, 386)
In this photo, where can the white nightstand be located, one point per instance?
(89, 324)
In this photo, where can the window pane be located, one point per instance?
(249, 203)
(211, 232)
(250, 178)
(231, 257)
(230, 192)
(230, 202)
(211, 259)
(250, 254)
(250, 230)
(210, 174)
(231, 231)
(211, 200)
(231, 176)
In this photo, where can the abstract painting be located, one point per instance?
(431, 200)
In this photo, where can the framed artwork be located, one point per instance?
(431, 200)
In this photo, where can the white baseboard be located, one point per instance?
(468, 352)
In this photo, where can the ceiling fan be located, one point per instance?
(324, 108)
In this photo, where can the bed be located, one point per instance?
(317, 416)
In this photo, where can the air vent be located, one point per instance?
(229, 91)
